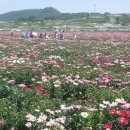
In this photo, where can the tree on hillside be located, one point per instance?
(125, 19)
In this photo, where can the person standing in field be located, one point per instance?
(56, 35)
(12, 34)
(33, 34)
(24, 35)
(46, 36)
(41, 35)
(61, 36)
(74, 36)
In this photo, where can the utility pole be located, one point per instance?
(94, 8)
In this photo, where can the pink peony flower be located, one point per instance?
(10, 81)
(107, 125)
(38, 89)
(45, 95)
(123, 121)
(122, 113)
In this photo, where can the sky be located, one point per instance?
(65, 6)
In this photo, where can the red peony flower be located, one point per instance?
(45, 95)
(31, 85)
(80, 101)
(123, 121)
(107, 125)
(122, 113)
(128, 114)
(38, 89)
(90, 100)
(112, 112)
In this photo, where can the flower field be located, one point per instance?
(70, 84)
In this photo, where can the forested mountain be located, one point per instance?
(51, 13)
(30, 13)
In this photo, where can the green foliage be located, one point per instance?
(25, 14)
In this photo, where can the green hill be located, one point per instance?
(50, 13)
(37, 13)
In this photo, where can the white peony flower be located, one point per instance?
(84, 114)
(42, 118)
(30, 117)
(28, 124)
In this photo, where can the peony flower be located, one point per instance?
(128, 114)
(45, 129)
(51, 112)
(113, 104)
(107, 126)
(33, 79)
(37, 110)
(91, 109)
(50, 123)
(78, 107)
(84, 114)
(30, 117)
(38, 89)
(121, 101)
(10, 81)
(42, 118)
(106, 80)
(63, 107)
(45, 95)
(106, 102)
(2, 122)
(61, 119)
(102, 106)
(122, 113)
(112, 112)
(28, 124)
(57, 83)
(90, 100)
(126, 106)
(22, 85)
(123, 121)
(44, 79)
